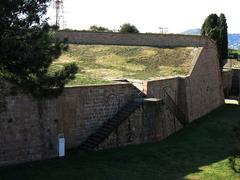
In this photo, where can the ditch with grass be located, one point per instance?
(100, 64)
(204, 149)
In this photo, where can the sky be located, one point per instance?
(148, 15)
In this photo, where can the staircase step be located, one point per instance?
(123, 116)
(98, 135)
(127, 111)
(94, 141)
(107, 128)
(104, 133)
(96, 138)
(107, 125)
(104, 129)
(88, 145)
(85, 148)
(113, 123)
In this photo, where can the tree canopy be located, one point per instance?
(95, 28)
(224, 36)
(128, 28)
(216, 28)
(28, 46)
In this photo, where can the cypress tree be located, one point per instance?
(216, 29)
(224, 35)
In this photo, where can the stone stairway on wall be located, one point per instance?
(130, 107)
(109, 126)
(173, 107)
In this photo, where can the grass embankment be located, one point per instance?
(102, 63)
(202, 150)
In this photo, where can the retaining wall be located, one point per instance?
(136, 39)
(204, 88)
(236, 82)
(29, 129)
(227, 81)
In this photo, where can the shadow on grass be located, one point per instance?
(206, 141)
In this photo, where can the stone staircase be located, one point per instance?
(109, 126)
(130, 107)
(173, 107)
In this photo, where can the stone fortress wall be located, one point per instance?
(231, 82)
(204, 89)
(29, 129)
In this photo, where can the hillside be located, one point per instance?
(192, 31)
(102, 63)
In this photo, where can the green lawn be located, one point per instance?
(231, 51)
(102, 63)
(202, 150)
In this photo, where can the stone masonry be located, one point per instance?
(29, 129)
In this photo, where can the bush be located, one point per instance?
(128, 28)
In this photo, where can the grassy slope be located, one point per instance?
(200, 151)
(101, 63)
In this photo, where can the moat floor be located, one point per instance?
(202, 150)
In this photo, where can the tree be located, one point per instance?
(28, 46)
(96, 28)
(216, 28)
(224, 36)
(128, 28)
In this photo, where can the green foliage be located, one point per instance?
(27, 48)
(96, 28)
(233, 53)
(237, 51)
(128, 28)
(216, 28)
(224, 36)
(235, 159)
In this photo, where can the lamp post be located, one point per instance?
(163, 30)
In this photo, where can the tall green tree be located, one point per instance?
(28, 46)
(216, 28)
(224, 36)
(128, 28)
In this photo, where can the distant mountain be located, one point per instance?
(192, 31)
(233, 39)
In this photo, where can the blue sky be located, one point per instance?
(148, 15)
